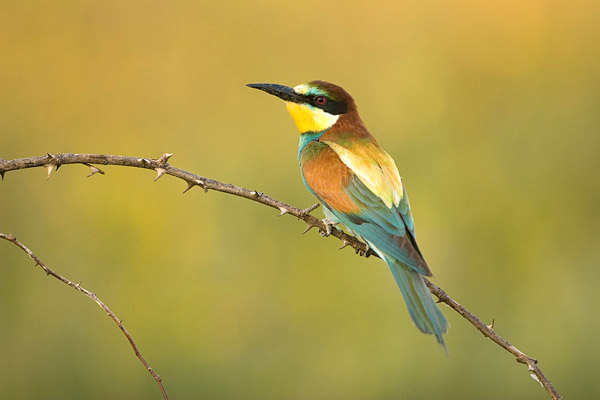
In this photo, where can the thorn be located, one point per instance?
(536, 378)
(49, 169)
(144, 160)
(95, 170)
(256, 193)
(164, 158)
(491, 326)
(305, 211)
(345, 244)
(2, 174)
(205, 188)
(309, 226)
(189, 186)
(159, 172)
(57, 166)
(53, 160)
(283, 211)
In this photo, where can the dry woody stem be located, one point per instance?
(92, 296)
(162, 167)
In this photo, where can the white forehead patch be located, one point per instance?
(301, 89)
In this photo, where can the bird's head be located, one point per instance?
(315, 106)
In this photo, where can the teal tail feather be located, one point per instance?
(422, 308)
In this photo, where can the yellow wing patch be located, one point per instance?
(375, 169)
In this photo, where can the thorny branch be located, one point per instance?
(162, 167)
(79, 288)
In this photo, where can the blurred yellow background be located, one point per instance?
(490, 109)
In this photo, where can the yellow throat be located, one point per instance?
(310, 119)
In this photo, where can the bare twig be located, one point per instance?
(92, 296)
(487, 331)
(162, 167)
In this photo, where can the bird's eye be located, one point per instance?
(320, 99)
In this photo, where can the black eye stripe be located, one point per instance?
(330, 106)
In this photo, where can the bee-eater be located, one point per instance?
(359, 186)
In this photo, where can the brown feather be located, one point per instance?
(327, 175)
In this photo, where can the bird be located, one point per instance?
(360, 187)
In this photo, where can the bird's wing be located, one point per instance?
(384, 228)
(375, 168)
(362, 187)
(377, 171)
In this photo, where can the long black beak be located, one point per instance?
(283, 92)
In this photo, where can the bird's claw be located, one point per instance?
(365, 253)
(329, 224)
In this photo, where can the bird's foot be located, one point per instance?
(329, 224)
(368, 252)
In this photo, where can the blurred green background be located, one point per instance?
(491, 111)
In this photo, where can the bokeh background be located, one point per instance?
(490, 109)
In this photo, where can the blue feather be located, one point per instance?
(421, 307)
(385, 230)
